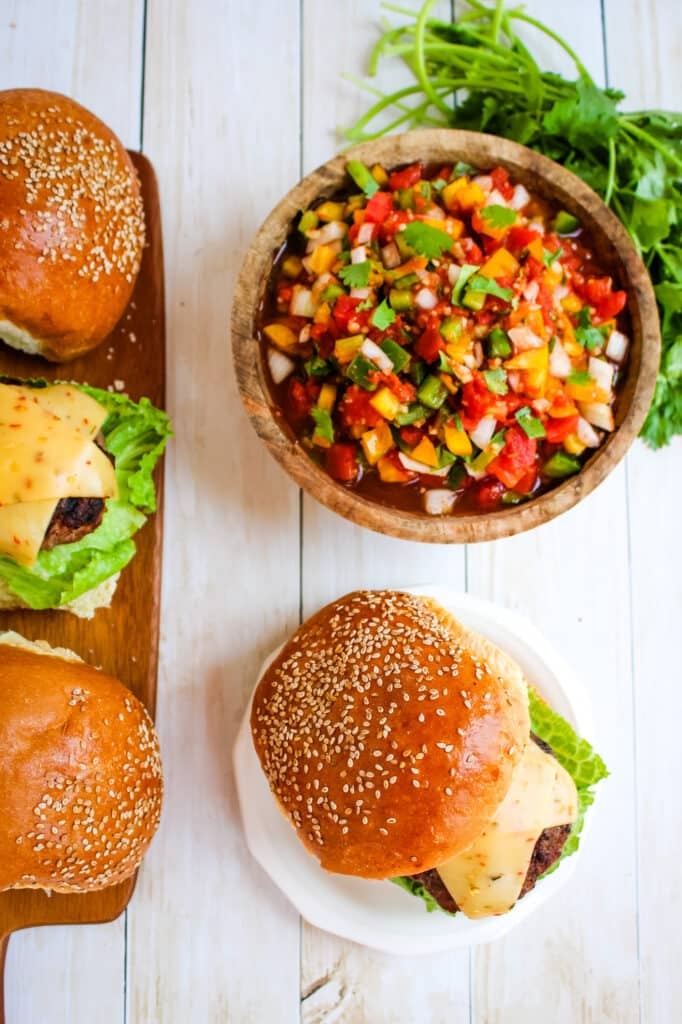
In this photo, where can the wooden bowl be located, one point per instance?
(614, 251)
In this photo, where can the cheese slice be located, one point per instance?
(487, 878)
(44, 456)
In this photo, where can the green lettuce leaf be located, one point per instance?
(580, 760)
(136, 434)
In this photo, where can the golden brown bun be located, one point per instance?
(71, 225)
(389, 733)
(80, 773)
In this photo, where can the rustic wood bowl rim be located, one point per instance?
(544, 175)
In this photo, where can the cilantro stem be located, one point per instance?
(582, 70)
(611, 180)
(420, 63)
(650, 140)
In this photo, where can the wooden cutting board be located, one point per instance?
(123, 639)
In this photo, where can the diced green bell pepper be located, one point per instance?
(561, 464)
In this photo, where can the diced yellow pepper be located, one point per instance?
(451, 225)
(535, 382)
(531, 359)
(457, 441)
(390, 473)
(572, 304)
(330, 211)
(292, 266)
(377, 443)
(281, 336)
(574, 445)
(352, 204)
(471, 197)
(385, 403)
(425, 452)
(321, 259)
(327, 397)
(586, 392)
(458, 349)
(500, 264)
(323, 313)
(536, 249)
(449, 383)
(380, 174)
(345, 349)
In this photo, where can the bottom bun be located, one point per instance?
(84, 607)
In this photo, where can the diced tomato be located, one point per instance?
(477, 400)
(411, 435)
(535, 270)
(443, 173)
(284, 293)
(596, 289)
(559, 429)
(517, 239)
(611, 306)
(488, 494)
(302, 397)
(516, 459)
(341, 462)
(355, 408)
(378, 207)
(527, 482)
(472, 252)
(430, 343)
(324, 341)
(344, 310)
(404, 390)
(406, 178)
(394, 221)
(502, 183)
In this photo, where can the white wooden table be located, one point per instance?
(232, 101)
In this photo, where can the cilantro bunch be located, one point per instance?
(633, 160)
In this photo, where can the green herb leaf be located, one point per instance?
(316, 367)
(580, 377)
(496, 381)
(356, 275)
(531, 426)
(383, 316)
(466, 272)
(548, 258)
(324, 427)
(498, 216)
(488, 286)
(427, 240)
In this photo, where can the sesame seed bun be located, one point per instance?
(389, 733)
(71, 225)
(80, 772)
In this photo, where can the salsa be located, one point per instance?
(442, 340)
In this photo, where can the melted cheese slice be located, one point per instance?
(46, 454)
(487, 878)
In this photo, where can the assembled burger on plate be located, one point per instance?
(402, 745)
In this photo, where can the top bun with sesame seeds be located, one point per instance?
(389, 733)
(71, 225)
(80, 772)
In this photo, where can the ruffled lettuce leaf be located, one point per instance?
(136, 434)
(573, 753)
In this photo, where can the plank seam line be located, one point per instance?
(301, 97)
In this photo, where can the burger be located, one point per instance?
(71, 225)
(402, 745)
(81, 784)
(76, 484)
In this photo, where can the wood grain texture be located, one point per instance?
(644, 52)
(124, 638)
(614, 250)
(93, 53)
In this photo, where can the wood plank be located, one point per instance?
(342, 981)
(644, 59)
(62, 975)
(209, 938)
(579, 956)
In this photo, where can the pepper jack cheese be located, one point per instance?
(47, 453)
(487, 877)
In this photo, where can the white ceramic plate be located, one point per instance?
(380, 914)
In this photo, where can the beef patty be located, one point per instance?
(73, 519)
(547, 851)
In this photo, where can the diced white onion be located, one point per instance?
(302, 303)
(390, 256)
(371, 351)
(358, 254)
(439, 502)
(304, 334)
(598, 414)
(530, 292)
(331, 232)
(617, 346)
(560, 292)
(280, 365)
(421, 467)
(360, 293)
(454, 270)
(587, 434)
(515, 380)
(496, 199)
(520, 198)
(483, 432)
(484, 181)
(319, 285)
(479, 354)
(523, 338)
(366, 232)
(435, 213)
(425, 298)
(537, 226)
(602, 373)
(559, 362)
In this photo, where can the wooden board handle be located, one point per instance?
(4, 942)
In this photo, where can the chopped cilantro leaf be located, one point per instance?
(580, 377)
(586, 335)
(427, 240)
(356, 275)
(465, 272)
(548, 258)
(487, 286)
(383, 316)
(498, 216)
